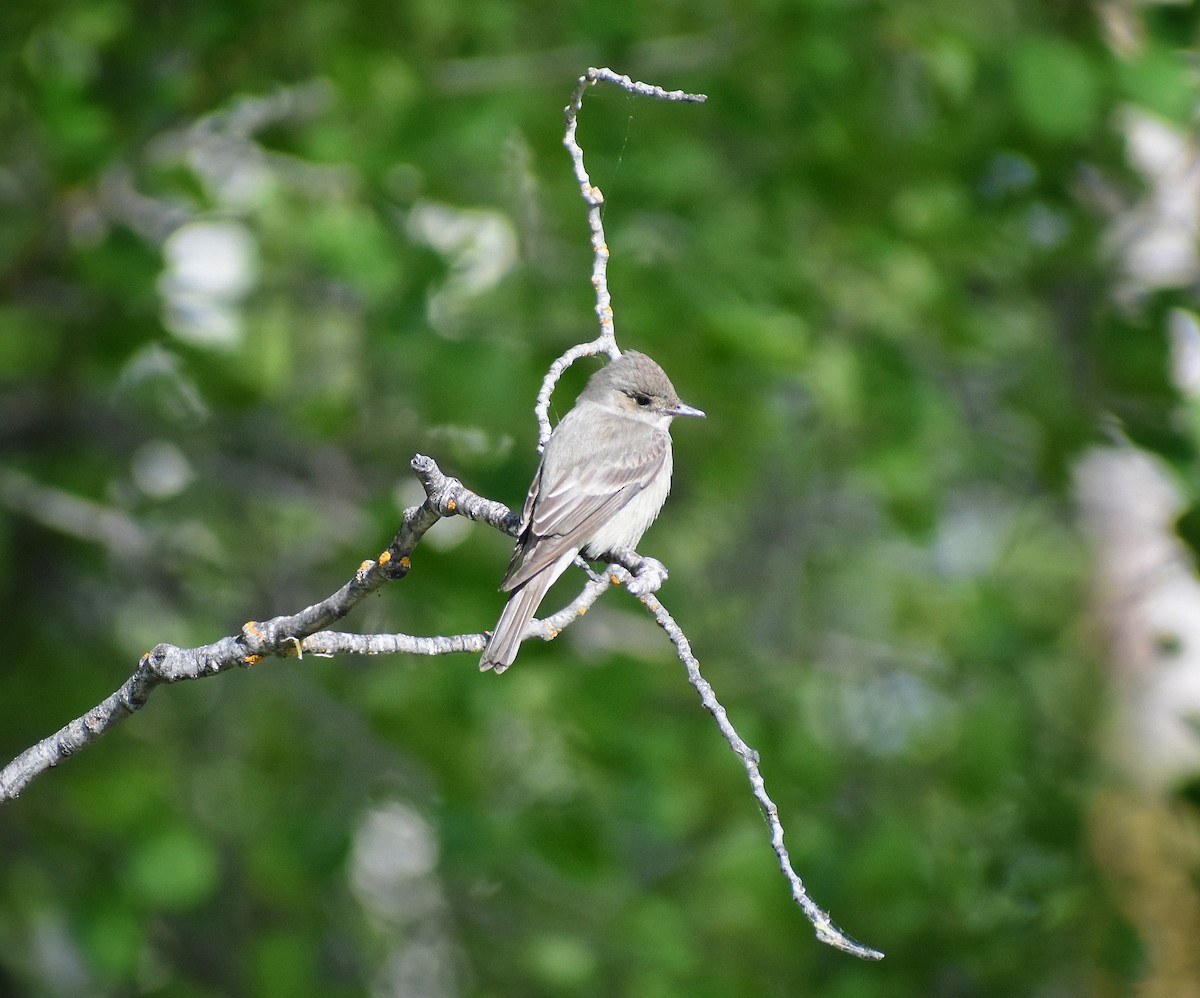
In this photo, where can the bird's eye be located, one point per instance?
(641, 399)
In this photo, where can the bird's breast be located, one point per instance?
(625, 528)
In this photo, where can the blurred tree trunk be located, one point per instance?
(1146, 836)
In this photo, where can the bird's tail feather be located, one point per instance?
(506, 637)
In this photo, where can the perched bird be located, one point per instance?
(604, 475)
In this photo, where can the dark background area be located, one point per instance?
(254, 256)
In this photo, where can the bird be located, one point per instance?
(603, 478)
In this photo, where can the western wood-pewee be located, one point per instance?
(604, 475)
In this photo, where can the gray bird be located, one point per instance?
(604, 475)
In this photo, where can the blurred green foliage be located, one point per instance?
(254, 256)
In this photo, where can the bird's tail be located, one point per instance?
(518, 612)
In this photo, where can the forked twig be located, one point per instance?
(606, 342)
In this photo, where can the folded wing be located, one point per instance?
(569, 501)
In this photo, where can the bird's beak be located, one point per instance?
(683, 409)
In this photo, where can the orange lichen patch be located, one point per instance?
(365, 566)
(250, 627)
(252, 659)
(385, 557)
(451, 505)
(582, 610)
(614, 580)
(405, 563)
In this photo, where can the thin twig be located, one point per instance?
(546, 629)
(593, 197)
(826, 931)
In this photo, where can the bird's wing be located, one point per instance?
(566, 506)
(523, 536)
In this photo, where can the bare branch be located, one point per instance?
(592, 196)
(71, 515)
(650, 574)
(826, 931)
(281, 636)
(547, 629)
(304, 632)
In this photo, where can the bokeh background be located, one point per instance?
(931, 268)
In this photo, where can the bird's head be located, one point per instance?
(636, 385)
